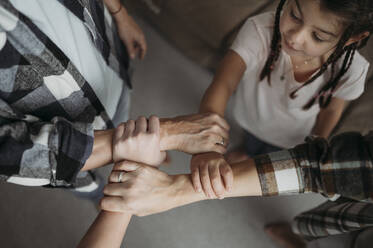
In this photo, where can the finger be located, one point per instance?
(119, 131)
(217, 139)
(130, 45)
(216, 181)
(144, 46)
(154, 124)
(116, 175)
(220, 121)
(130, 126)
(227, 174)
(114, 189)
(138, 50)
(128, 166)
(141, 125)
(112, 204)
(222, 133)
(196, 180)
(206, 183)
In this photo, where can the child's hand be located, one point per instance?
(211, 173)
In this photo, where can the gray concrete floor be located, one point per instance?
(166, 84)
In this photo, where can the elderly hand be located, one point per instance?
(197, 133)
(138, 189)
(138, 141)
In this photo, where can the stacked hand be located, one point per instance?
(135, 187)
(196, 133)
(142, 189)
(138, 141)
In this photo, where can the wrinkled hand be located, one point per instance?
(131, 35)
(143, 190)
(211, 173)
(197, 133)
(138, 141)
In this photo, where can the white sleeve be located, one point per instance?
(248, 44)
(353, 85)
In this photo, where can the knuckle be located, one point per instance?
(214, 116)
(215, 128)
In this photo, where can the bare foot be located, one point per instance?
(284, 236)
(236, 156)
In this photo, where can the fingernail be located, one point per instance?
(199, 190)
(221, 197)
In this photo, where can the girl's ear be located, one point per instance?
(357, 38)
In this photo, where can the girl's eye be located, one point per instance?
(317, 38)
(294, 16)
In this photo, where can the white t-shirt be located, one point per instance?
(266, 110)
(69, 33)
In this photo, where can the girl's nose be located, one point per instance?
(297, 38)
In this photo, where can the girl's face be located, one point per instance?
(307, 31)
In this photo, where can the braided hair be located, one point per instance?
(358, 17)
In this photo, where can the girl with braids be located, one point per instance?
(292, 73)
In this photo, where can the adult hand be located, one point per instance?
(131, 34)
(211, 173)
(138, 141)
(197, 133)
(142, 190)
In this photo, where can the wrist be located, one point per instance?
(102, 153)
(168, 138)
(121, 16)
(183, 192)
(105, 145)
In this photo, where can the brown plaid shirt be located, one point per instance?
(341, 167)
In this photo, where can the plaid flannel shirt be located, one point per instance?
(341, 167)
(48, 111)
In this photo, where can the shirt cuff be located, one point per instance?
(279, 173)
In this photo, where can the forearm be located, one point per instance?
(107, 230)
(328, 118)
(102, 150)
(226, 80)
(215, 99)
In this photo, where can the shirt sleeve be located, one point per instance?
(37, 153)
(248, 44)
(342, 167)
(34, 152)
(352, 85)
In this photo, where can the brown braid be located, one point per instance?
(359, 14)
(275, 45)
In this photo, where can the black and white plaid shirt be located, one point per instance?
(46, 137)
